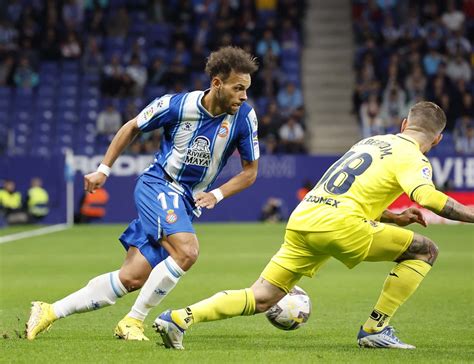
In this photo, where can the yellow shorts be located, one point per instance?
(304, 252)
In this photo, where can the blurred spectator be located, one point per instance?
(138, 74)
(92, 206)
(108, 123)
(157, 13)
(393, 106)
(93, 60)
(415, 83)
(113, 82)
(267, 126)
(157, 73)
(118, 23)
(49, 46)
(96, 26)
(131, 111)
(292, 137)
(463, 135)
(11, 203)
(458, 43)
(37, 201)
(289, 98)
(390, 32)
(268, 44)
(271, 210)
(8, 36)
(304, 189)
(269, 145)
(452, 18)
(467, 104)
(458, 68)
(73, 13)
(6, 70)
(25, 76)
(431, 62)
(137, 51)
(70, 47)
(372, 123)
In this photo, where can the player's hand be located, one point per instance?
(410, 216)
(93, 181)
(205, 199)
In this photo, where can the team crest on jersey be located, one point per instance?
(426, 173)
(199, 154)
(223, 129)
(171, 217)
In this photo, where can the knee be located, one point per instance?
(186, 254)
(130, 281)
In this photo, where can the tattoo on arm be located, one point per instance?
(387, 216)
(453, 210)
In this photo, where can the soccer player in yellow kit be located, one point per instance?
(345, 217)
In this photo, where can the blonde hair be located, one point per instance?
(427, 117)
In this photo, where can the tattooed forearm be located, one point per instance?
(453, 210)
(387, 216)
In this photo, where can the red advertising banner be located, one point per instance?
(403, 202)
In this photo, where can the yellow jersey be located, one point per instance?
(363, 183)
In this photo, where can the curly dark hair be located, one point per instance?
(228, 59)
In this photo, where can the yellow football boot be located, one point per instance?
(41, 318)
(130, 328)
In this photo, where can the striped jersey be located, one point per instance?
(195, 145)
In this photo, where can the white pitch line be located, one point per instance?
(31, 233)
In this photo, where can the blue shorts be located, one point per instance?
(161, 212)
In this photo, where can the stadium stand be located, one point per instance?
(62, 63)
(409, 51)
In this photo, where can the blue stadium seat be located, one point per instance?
(71, 66)
(5, 92)
(69, 91)
(66, 117)
(67, 104)
(49, 66)
(46, 90)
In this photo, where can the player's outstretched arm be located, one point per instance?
(236, 184)
(121, 140)
(454, 210)
(442, 205)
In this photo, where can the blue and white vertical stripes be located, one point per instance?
(195, 145)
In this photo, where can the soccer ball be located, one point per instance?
(292, 311)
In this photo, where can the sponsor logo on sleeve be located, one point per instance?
(426, 173)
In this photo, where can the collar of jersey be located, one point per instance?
(408, 138)
(203, 109)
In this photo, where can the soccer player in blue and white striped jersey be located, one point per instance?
(201, 130)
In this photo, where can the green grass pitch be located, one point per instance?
(438, 319)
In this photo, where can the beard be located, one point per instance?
(225, 104)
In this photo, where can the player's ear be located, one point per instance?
(216, 82)
(404, 125)
(437, 140)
